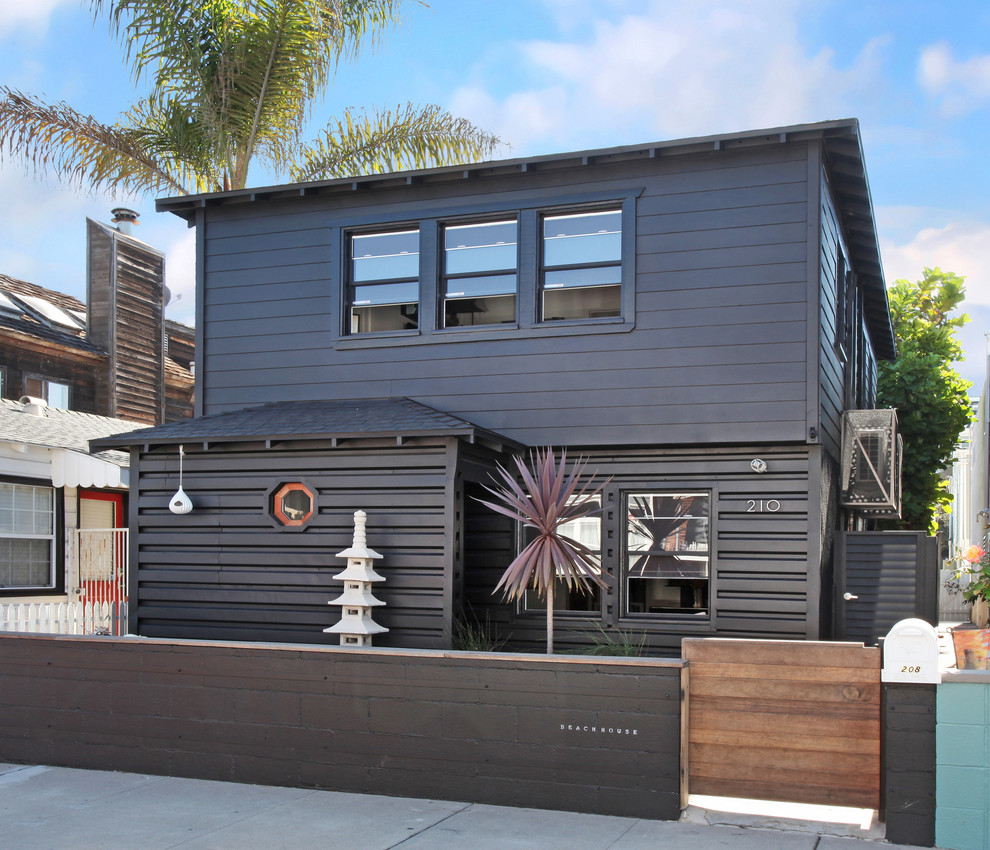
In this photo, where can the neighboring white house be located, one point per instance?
(62, 520)
(969, 521)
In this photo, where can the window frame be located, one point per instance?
(278, 491)
(676, 618)
(351, 285)
(56, 549)
(594, 613)
(431, 223)
(445, 276)
(543, 267)
(46, 390)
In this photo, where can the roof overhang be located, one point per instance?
(842, 152)
(65, 467)
(75, 469)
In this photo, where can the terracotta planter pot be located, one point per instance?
(972, 648)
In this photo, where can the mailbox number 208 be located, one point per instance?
(759, 506)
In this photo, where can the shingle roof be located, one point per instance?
(61, 429)
(392, 417)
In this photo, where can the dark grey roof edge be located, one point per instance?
(204, 429)
(184, 206)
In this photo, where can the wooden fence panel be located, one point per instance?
(784, 720)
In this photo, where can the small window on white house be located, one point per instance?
(384, 281)
(582, 265)
(27, 537)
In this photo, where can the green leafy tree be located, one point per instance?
(931, 398)
(231, 84)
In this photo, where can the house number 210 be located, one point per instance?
(759, 506)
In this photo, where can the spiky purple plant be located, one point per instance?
(548, 498)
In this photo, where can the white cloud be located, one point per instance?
(962, 247)
(180, 277)
(959, 86)
(31, 14)
(671, 69)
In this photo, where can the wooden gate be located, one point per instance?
(784, 720)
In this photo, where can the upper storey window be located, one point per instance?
(480, 273)
(582, 265)
(384, 285)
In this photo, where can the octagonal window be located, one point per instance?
(293, 504)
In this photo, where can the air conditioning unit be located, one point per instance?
(871, 462)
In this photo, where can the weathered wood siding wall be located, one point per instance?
(720, 347)
(765, 565)
(225, 571)
(126, 318)
(22, 359)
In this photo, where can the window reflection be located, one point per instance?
(480, 273)
(667, 553)
(582, 265)
(384, 281)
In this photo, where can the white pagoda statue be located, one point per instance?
(356, 627)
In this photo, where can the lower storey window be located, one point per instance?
(27, 536)
(586, 530)
(667, 555)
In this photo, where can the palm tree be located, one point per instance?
(232, 82)
(547, 499)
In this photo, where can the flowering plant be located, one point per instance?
(974, 564)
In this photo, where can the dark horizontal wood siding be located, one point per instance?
(225, 571)
(832, 376)
(719, 351)
(765, 565)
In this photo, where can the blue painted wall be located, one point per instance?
(962, 820)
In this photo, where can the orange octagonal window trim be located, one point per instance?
(293, 504)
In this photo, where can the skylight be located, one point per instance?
(52, 313)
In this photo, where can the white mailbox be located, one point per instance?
(910, 654)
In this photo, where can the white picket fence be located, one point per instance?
(65, 618)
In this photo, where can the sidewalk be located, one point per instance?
(54, 808)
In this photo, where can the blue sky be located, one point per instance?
(556, 75)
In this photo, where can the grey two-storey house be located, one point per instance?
(693, 317)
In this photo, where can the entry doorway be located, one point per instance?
(102, 548)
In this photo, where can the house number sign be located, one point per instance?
(762, 506)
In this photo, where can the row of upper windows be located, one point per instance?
(579, 272)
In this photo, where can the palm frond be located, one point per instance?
(169, 129)
(391, 140)
(78, 148)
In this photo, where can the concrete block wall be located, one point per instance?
(962, 819)
(586, 734)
